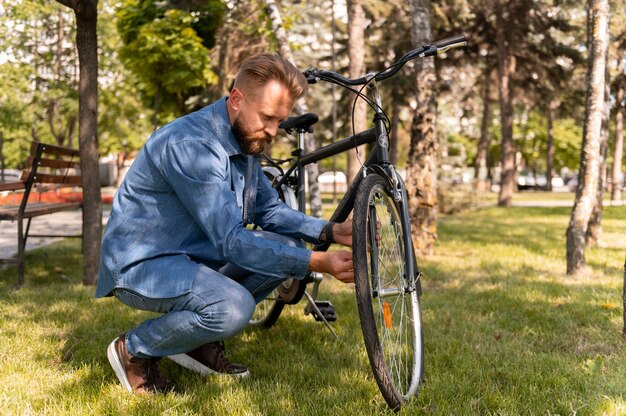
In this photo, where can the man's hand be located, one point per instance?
(342, 232)
(338, 263)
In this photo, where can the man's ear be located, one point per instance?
(235, 98)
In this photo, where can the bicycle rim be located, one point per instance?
(389, 307)
(267, 311)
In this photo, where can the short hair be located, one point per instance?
(262, 68)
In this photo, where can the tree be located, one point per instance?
(164, 49)
(312, 170)
(506, 69)
(424, 148)
(356, 52)
(617, 176)
(87, 45)
(481, 165)
(590, 155)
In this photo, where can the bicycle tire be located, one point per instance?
(389, 307)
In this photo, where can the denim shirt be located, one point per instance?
(180, 207)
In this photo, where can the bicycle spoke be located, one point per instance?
(390, 275)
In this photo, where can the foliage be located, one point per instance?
(164, 51)
(38, 87)
(531, 140)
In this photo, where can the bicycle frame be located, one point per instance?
(377, 161)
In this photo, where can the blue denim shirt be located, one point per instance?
(180, 206)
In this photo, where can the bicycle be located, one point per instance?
(387, 278)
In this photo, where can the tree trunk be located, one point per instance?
(589, 172)
(312, 170)
(594, 229)
(506, 67)
(617, 179)
(480, 165)
(424, 146)
(356, 52)
(552, 106)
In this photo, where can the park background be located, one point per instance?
(508, 330)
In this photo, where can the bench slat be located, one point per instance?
(54, 163)
(50, 178)
(34, 210)
(51, 149)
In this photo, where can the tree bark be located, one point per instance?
(424, 146)
(617, 179)
(480, 165)
(312, 170)
(590, 155)
(594, 229)
(87, 46)
(356, 52)
(506, 67)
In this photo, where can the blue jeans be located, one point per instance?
(219, 306)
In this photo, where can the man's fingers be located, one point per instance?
(346, 277)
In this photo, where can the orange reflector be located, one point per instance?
(387, 314)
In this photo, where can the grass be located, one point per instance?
(506, 332)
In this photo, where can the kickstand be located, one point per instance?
(314, 306)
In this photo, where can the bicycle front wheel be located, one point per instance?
(388, 299)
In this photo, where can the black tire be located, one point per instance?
(388, 303)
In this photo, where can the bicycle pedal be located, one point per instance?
(326, 309)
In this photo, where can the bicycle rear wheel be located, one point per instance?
(388, 299)
(267, 311)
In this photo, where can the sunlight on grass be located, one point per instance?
(506, 332)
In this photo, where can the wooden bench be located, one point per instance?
(48, 168)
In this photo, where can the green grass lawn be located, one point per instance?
(506, 332)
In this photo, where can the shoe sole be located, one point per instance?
(189, 363)
(117, 365)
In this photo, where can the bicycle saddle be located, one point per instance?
(303, 123)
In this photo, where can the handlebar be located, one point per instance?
(315, 74)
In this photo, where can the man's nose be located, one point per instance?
(271, 129)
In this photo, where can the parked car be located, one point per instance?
(525, 182)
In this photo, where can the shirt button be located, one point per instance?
(241, 177)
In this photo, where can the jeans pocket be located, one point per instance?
(131, 299)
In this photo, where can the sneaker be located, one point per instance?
(209, 359)
(139, 375)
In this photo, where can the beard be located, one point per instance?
(249, 143)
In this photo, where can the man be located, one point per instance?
(176, 241)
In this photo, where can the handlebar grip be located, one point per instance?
(450, 41)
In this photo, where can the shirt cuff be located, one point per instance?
(296, 262)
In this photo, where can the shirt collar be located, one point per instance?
(223, 128)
